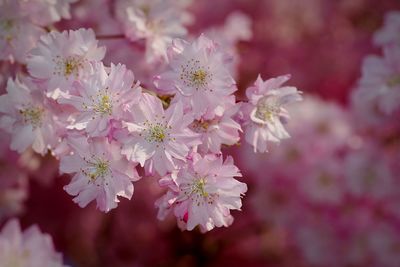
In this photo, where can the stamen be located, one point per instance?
(32, 115)
(267, 108)
(68, 66)
(393, 81)
(97, 168)
(156, 132)
(195, 75)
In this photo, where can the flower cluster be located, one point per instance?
(103, 124)
(179, 106)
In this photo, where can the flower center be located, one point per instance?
(200, 126)
(6, 27)
(325, 179)
(393, 81)
(68, 66)
(104, 106)
(32, 115)
(195, 75)
(101, 103)
(156, 132)
(267, 108)
(97, 168)
(198, 187)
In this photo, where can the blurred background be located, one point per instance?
(329, 196)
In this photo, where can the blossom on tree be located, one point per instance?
(380, 81)
(265, 114)
(100, 172)
(218, 130)
(155, 21)
(63, 58)
(28, 248)
(25, 115)
(389, 33)
(17, 33)
(156, 138)
(102, 98)
(45, 12)
(203, 192)
(197, 74)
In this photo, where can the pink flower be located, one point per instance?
(389, 33)
(30, 248)
(265, 113)
(380, 81)
(156, 137)
(368, 175)
(17, 33)
(197, 74)
(27, 117)
(101, 173)
(101, 98)
(62, 58)
(203, 193)
(155, 21)
(218, 130)
(45, 12)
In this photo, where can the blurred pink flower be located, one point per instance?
(155, 21)
(17, 33)
(30, 248)
(389, 33)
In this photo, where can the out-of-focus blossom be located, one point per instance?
(389, 33)
(46, 12)
(30, 248)
(156, 22)
(237, 27)
(13, 191)
(380, 81)
(100, 171)
(203, 193)
(63, 58)
(368, 174)
(158, 138)
(265, 113)
(197, 74)
(26, 116)
(17, 33)
(102, 98)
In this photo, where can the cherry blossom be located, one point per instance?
(62, 58)
(100, 172)
(203, 193)
(158, 139)
(197, 74)
(101, 98)
(380, 81)
(218, 130)
(17, 33)
(389, 33)
(29, 248)
(265, 113)
(27, 117)
(155, 21)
